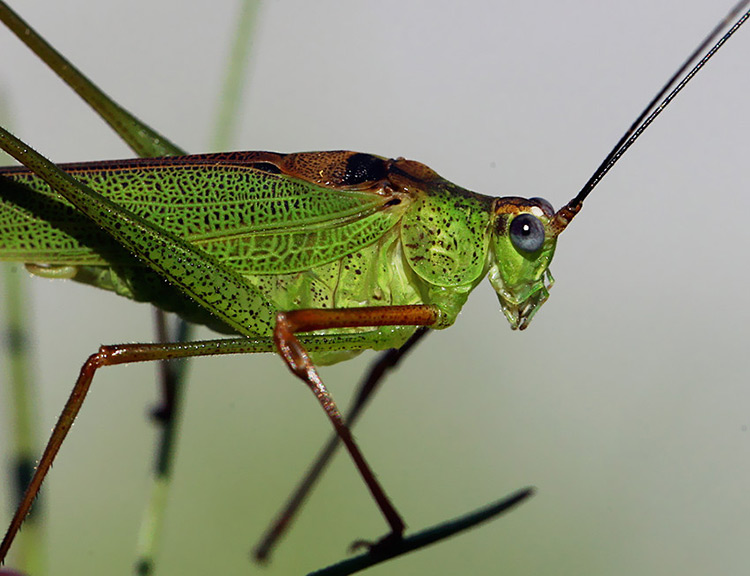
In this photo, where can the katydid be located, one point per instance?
(431, 391)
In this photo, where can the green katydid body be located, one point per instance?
(308, 230)
(230, 240)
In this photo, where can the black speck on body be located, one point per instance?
(267, 167)
(363, 168)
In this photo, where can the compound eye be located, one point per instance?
(526, 233)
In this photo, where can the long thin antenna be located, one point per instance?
(679, 80)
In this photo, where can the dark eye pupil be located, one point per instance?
(526, 233)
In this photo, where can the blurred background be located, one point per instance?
(625, 403)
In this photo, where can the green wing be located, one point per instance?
(240, 207)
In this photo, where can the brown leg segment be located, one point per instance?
(296, 357)
(290, 348)
(387, 361)
(106, 356)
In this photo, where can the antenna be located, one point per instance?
(679, 80)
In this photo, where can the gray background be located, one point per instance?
(625, 403)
